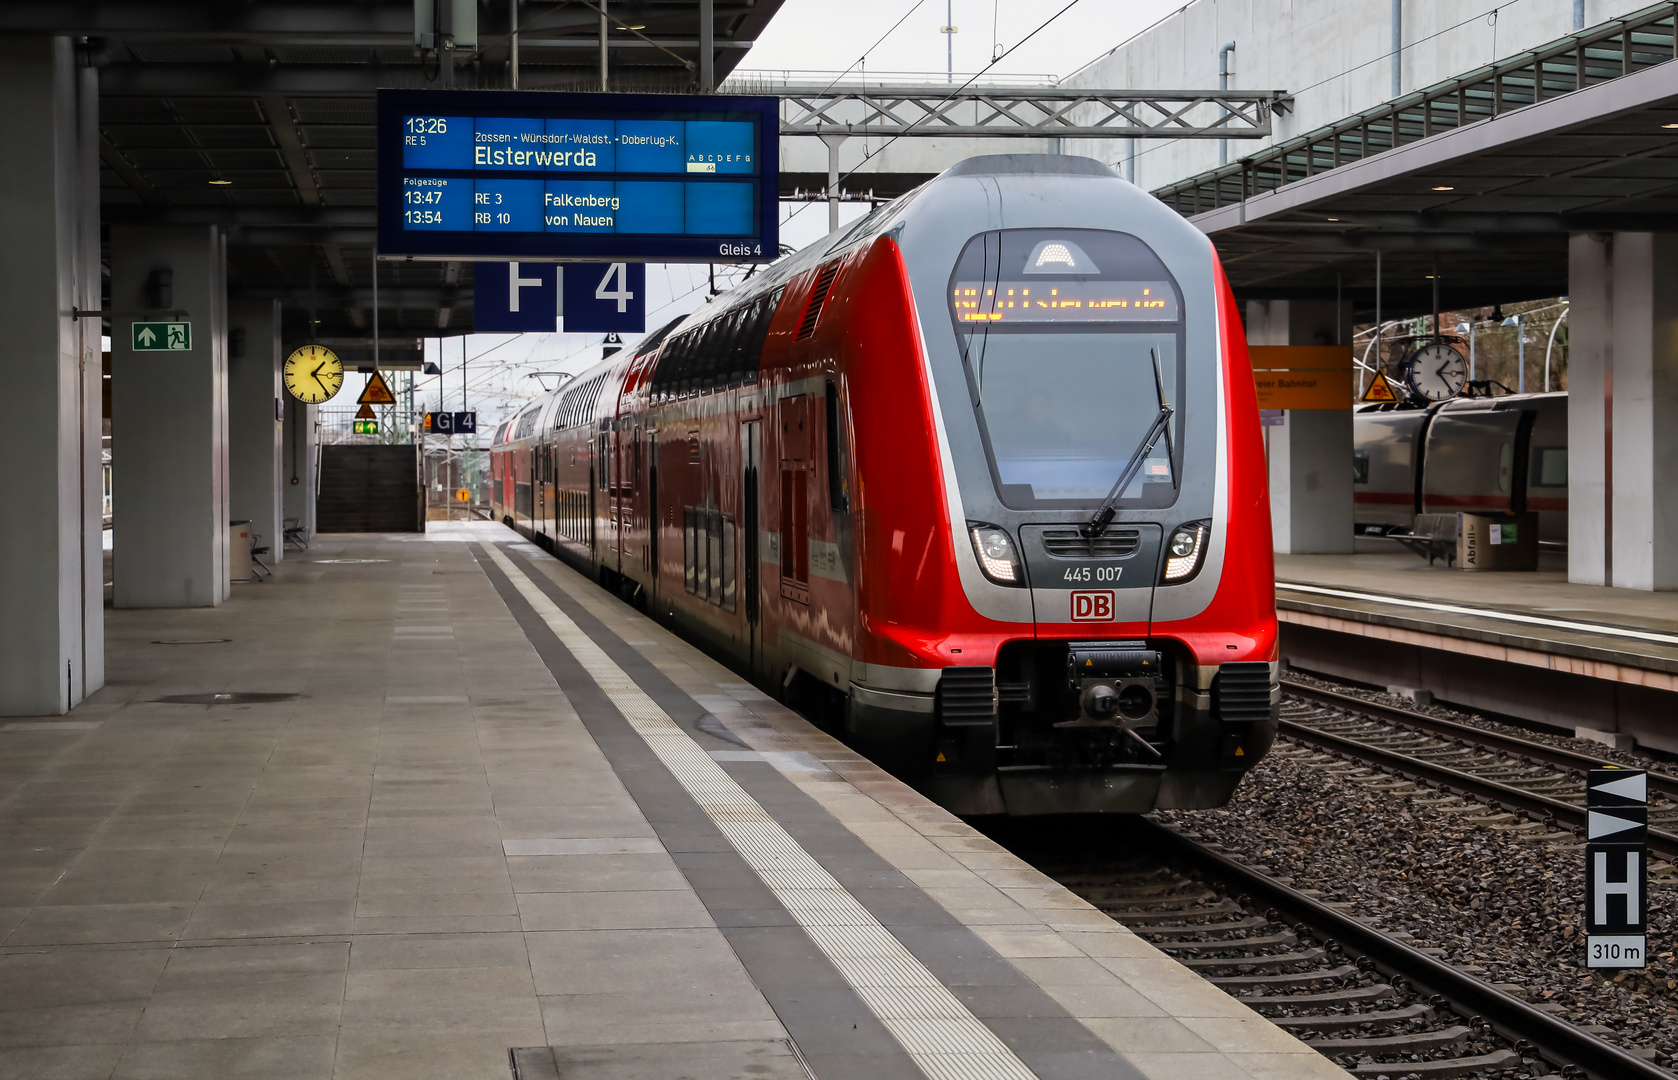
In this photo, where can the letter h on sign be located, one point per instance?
(1616, 860)
(514, 298)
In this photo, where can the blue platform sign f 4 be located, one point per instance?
(605, 298)
(515, 297)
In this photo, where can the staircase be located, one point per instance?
(368, 489)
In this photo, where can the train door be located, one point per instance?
(606, 553)
(751, 457)
(544, 484)
(628, 476)
(531, 508)
(650, 558)
(795, 498)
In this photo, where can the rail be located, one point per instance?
(1664, 783)
(1508, 796)
(1556, 1040)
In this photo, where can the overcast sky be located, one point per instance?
(813, 36)
(825, 36)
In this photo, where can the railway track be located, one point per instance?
(1369, 1000)
(1545, 783)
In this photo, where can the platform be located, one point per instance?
(493, 811)
(1527, 642)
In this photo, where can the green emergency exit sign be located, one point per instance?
(162, 336)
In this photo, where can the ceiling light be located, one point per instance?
(1443, 187)
(1334, 219)
(221, 183)
(1669, 125)
(638, 26)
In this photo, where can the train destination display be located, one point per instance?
(577, 176)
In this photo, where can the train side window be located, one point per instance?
(1360, 466)
(604, 471)
(795, 533)
(716, 355)
(713, 557)
(838, 488)
(1550, 466)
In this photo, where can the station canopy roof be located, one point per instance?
(259, 116)
(1481, 179)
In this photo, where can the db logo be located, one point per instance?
(1092, 607)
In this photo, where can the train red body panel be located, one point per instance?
(982, 473)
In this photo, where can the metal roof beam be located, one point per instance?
(1028, 112)
(390, 22)
(290, 142)
(352, 217)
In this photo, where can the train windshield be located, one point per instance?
(1072, 339)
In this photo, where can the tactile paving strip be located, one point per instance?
(938, 1032)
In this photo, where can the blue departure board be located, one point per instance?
(499, 174)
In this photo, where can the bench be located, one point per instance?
(1432, 536)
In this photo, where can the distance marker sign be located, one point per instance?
(1616, 868)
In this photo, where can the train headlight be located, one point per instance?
(997, 557)
(1184, 550)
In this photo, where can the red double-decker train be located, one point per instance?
(985, 467)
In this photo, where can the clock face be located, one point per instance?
(1435, 372)
(313, 374)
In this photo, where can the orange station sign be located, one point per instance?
(1302, 376)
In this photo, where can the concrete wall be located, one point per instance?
(1310, 454)
(1623, 382)
(169, 481)
(298, 444)
(255, 420)
(52, 614)
(1332, 55)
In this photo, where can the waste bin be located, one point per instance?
(1497, 541)
(238, 551)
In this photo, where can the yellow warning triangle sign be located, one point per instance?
(365, 413)
(377, 393)
(1379, 389)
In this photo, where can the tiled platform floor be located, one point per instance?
(437, 852)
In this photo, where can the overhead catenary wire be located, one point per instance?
(868, 156)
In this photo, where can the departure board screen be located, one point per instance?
(485, 174)
(1070, 301)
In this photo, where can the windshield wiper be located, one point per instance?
(1103, 516)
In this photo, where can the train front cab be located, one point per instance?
(1037, 670)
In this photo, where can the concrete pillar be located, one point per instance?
(1310, 454)
(254, 443)
(1622, 404)
(169, 481)
(297, 469)
(52, 606)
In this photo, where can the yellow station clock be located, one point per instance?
(313, 374)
